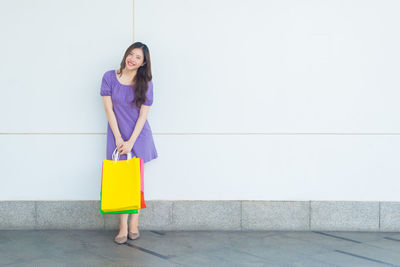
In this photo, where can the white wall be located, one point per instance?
(274, 100)
(53, 55)
(263, 100)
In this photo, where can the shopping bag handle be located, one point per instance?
(115, 155)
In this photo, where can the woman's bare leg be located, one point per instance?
(123, 225)
(134, 222)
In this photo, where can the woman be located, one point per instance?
(127, 96)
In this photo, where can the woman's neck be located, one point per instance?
(130, 73)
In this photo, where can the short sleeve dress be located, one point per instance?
(127, 114)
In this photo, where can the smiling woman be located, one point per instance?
(127, 95)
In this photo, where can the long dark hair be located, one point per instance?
(143, 75)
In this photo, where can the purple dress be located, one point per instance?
(127, 114)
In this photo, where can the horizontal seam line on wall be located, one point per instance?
(154, 133)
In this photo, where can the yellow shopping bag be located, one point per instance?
(120, 185)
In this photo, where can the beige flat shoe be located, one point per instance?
(133, 236)
(120, 240)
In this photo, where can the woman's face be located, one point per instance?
(134, 59)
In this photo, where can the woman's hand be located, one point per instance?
(119, 142)
(125, 147)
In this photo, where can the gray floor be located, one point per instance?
(199, 248)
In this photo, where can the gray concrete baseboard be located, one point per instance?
(239, 215)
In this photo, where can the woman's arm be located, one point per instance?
(144, 110)
(112, 120)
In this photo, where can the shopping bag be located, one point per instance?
(142, 205)
(117, 212)
(120, 185)
(142, 202)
